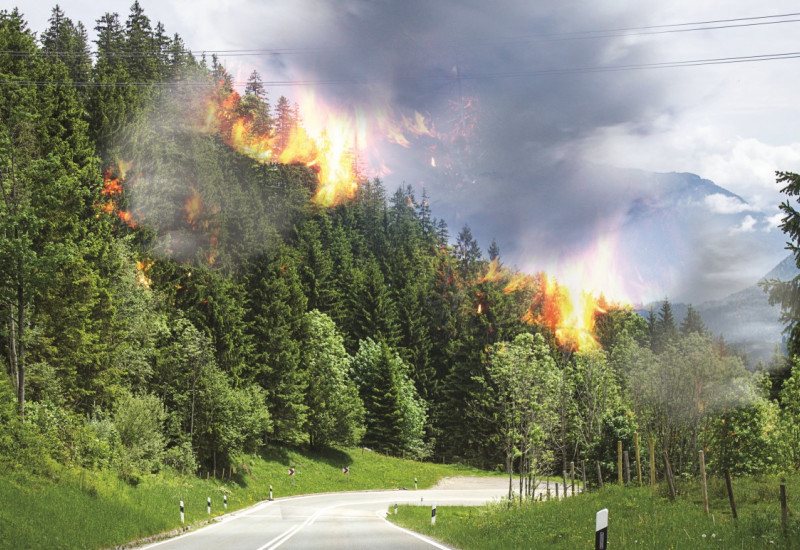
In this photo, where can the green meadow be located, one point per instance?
(638, 518)
(71, 508)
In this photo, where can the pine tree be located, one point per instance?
(110, 104)
(284, 123)
(394, 414)
(467, 254)
(666, 330)
(68, 43)
(275, 320)
(693, 322)
(51, 241)
(255, 105)
(785, 292)
(494, 251)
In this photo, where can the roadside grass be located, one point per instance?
(637, 519)
(73, 508)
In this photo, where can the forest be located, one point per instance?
(174, 292)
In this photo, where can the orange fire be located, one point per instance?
(330, 153)
(112, 188)
(571, 320)
(193, 207)
(569, 315)
(141, 273)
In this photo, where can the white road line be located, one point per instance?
(286, 535)
(382, 515)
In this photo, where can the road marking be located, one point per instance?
(289, 533)
(382, 515)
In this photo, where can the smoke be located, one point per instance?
(507, 154)
(522, 121)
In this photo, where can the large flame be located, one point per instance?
(332, 142)
(330, 153)
(569, 313)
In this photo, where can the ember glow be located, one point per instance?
(142, 267)
(113, 190)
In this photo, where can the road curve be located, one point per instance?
(351, 520)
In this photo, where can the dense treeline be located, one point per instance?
(204, 307)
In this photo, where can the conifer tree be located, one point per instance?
(67, 42)
(693, 322)
(275, 320)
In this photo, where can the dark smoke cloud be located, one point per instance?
(432, 56)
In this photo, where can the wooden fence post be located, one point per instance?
(668, 475)
(619, 462)
(784, 508)
(638, 461)
(599, 475)
(730, 494)
(583, 473)
(704, 486)
(652, 464)
(626, 460)
(572, 476)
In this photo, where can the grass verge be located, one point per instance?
(90, 509)
(637, 519)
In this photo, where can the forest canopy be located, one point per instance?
(177, 288)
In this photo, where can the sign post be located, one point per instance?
(208, 505)
(433, 515)
(291, 474)
(270, 492)
(601, 530)
(182, 516)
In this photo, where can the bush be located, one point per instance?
(139, 419)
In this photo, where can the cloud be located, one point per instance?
(725, 204)
(747, 226)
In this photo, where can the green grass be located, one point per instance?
(82, 509)
(637, 519)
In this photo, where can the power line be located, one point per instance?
(670, 28)
(465, 76)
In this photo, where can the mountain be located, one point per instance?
(746, 318)
(670, 234)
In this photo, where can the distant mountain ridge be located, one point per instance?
(746, 318)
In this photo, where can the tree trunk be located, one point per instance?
(12, 349)
(510, 468)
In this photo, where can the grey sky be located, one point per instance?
(529, 174)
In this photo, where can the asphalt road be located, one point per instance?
(352, 521)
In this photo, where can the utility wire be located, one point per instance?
(466, 76)
(714, 24)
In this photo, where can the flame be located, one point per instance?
(568, 313)
(113, 189)
(418, 126)
(571, 320)
(329, 152)
(142, 268)
(493, 274)
(193, 207)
